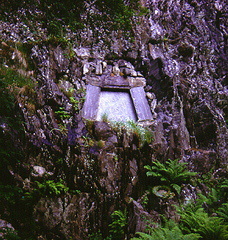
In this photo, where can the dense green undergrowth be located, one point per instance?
(204, 217)
(11, 120)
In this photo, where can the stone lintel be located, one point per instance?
(114, 82)
(118, 82)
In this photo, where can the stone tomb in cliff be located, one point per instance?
(115, 105)
(116, 99)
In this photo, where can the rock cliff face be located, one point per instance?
(178, 50)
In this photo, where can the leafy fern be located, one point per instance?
(119, 222)
(222, 212)
(50, 187)
(200, 222)
(172, 173)
(170, 232)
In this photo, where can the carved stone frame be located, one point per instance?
(136, 91)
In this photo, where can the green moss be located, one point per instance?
(11, 120)
(11, 78)
(13, 84)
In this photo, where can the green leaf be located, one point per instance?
(172, 172)
(176, 187)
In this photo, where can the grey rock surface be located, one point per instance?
(178, 57)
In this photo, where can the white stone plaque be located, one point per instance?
(116, 106)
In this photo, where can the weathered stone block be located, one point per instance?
(91, 102)
(83, 53)
(86, 68)
(99, 69)
(141, 105)
(136, 82)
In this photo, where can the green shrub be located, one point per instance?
(214, 197)
(171, 231)
(198, 221)
(171, 173)
(10, 194)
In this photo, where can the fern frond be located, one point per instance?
(171, 173)
(223, 212)
(224, 184)
(176, 187)
(200, 222)
(170, 232)
(142, 236)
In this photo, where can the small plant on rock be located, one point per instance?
(77, 102)
(132, 128)
(119, 222)
(145, 135)
(172, 173)
(62, 113)
(104, 117)
(50, 187)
